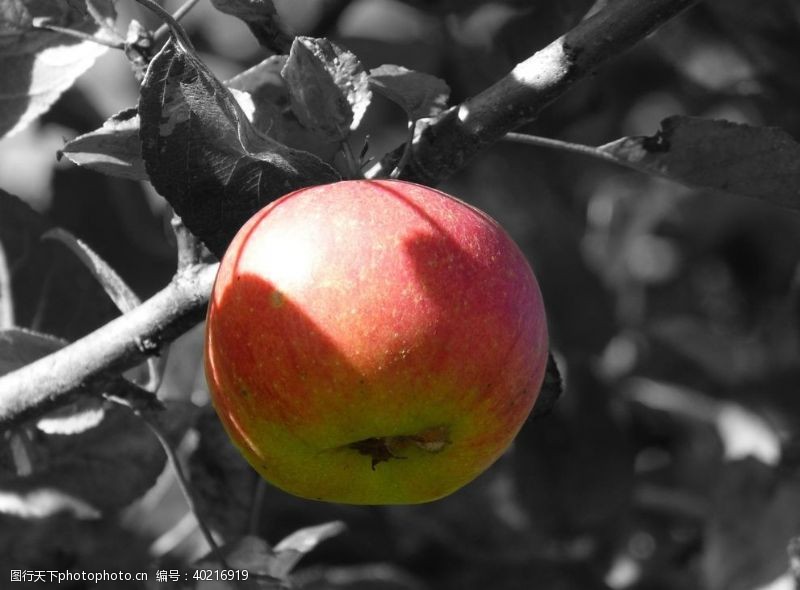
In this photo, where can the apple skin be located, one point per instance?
(373, 342)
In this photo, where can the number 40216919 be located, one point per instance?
(209, 574)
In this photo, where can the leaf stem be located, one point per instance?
(171, 23)
(564, 146)
(353, 168)
(139, 402)
(256, 508)
(106, 24)
(398, 169)
(183, 482)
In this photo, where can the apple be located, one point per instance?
(373, 342)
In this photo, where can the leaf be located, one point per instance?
(86, 459)
(552, 388)
(52, 291)
(73, 418)
(98, 470)
(291, 549)
(224, 484)
(420, 95)
(18, 347)
(328, 87)
(38, 65)
(114, 149)
(263, 20)
(119, 292)
(86, 545)
(272, 113)
(204, 156)
(760, 162)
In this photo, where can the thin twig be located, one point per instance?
(257, 506)
(6, 295)
(183, 482)
(78, 35)
(328, 14)
(177, 16)
(145, 407)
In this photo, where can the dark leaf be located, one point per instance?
(33, 77)
(205, 157)
(420, 95)
(119, 292)
(551, 391)
(328, 86)
(18, 347)
(83, 459)
(263, 20)
(52, 291)
(116, 288)
(113, 149)
(100, 469)
(761, 162)
(224, 484)
(86, 545)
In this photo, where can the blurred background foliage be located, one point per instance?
(672, 460)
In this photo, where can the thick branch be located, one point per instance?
(119, 345)
(445, 144)
(439, 149)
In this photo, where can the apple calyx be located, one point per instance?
(385, 448)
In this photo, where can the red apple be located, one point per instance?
(373, 342)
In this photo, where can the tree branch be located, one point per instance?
(440, 147)
(119, 345)
(446, 143)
